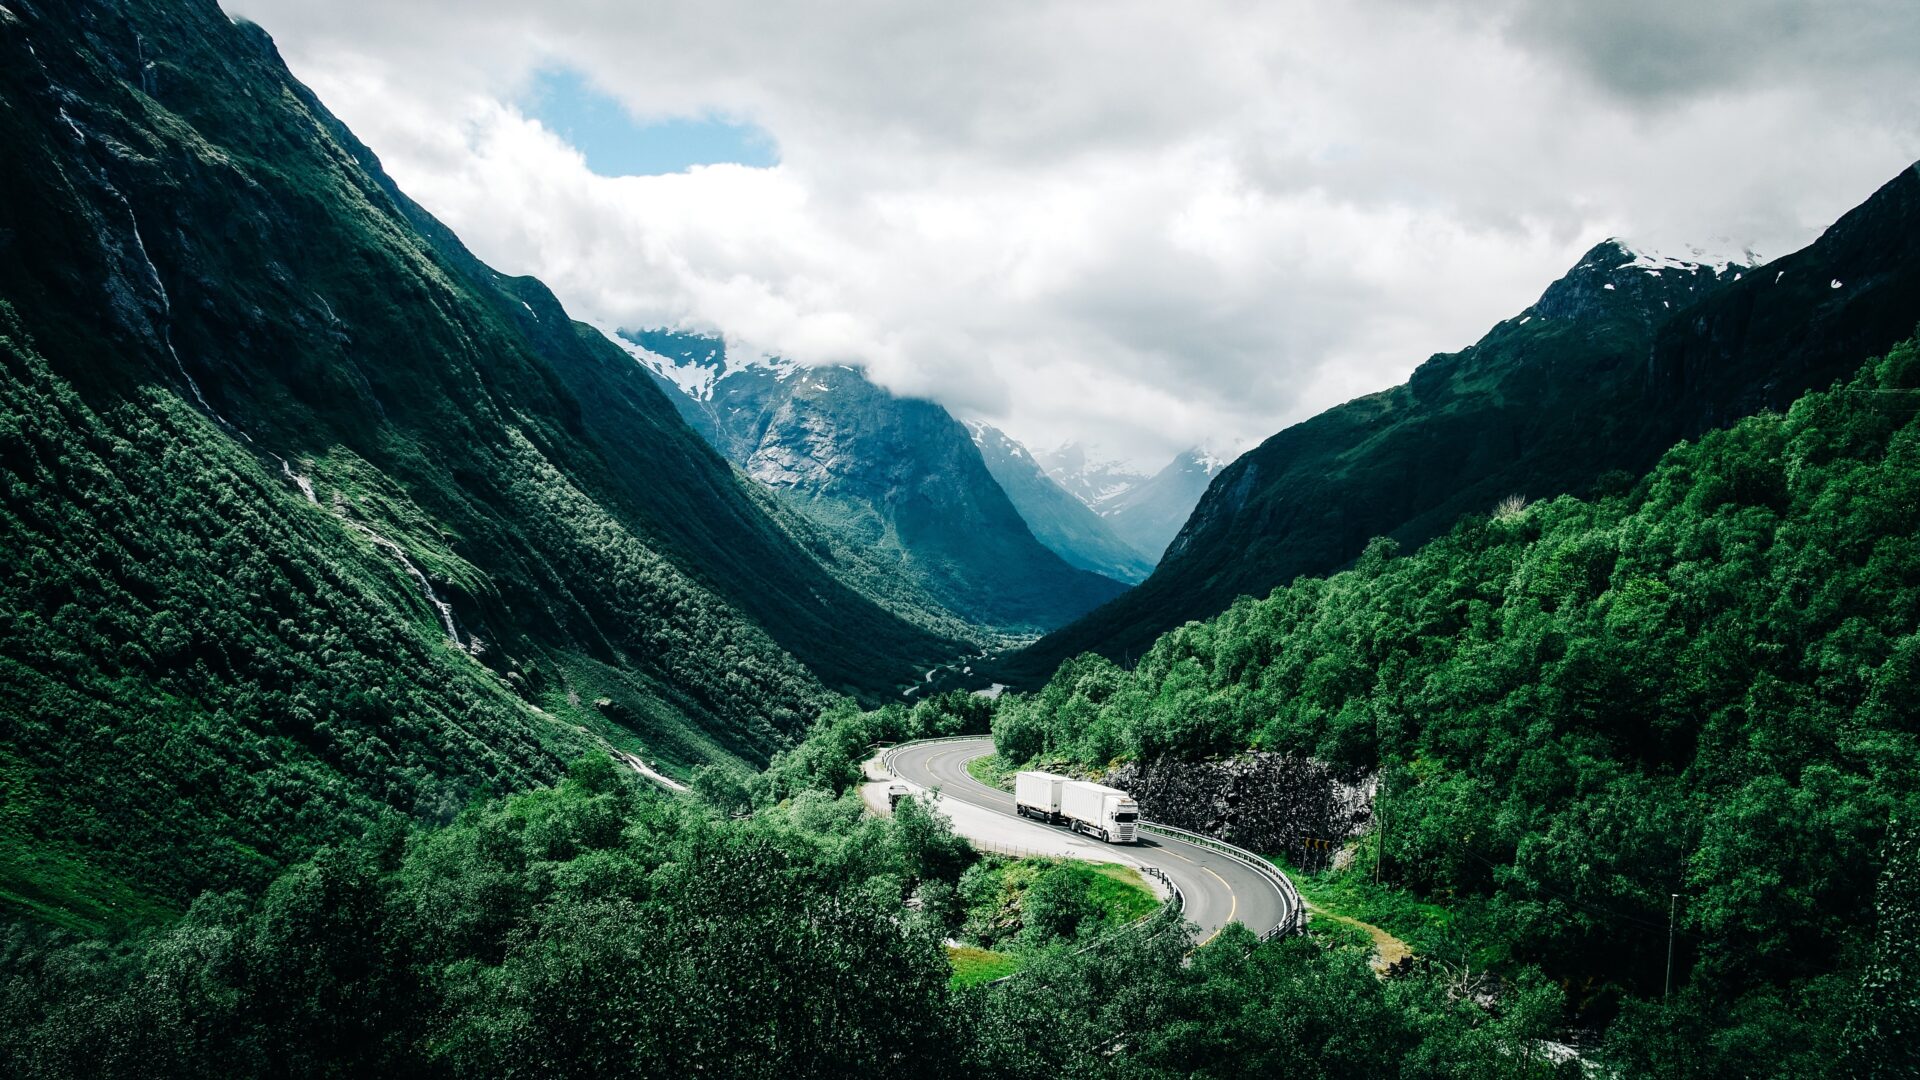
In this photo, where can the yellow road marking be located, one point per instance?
(1235, 897)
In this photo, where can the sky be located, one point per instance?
(1137, 225)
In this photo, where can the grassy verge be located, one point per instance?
(991, 771)
(1016, 909)
(972, 965)
(1120, 893)
(1425, 927)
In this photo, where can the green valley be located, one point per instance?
(404, 672)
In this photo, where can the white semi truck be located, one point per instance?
(1094, 809)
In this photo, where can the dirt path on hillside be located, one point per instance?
(1387, 949)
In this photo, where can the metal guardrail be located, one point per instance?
(1176, 899)
(1295, 917)
(886, 756)
(1295, 910)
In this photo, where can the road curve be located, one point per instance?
(1217, 888)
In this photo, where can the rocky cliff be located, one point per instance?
(1267, 803)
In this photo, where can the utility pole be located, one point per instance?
(1380, 834)
(1672, 904)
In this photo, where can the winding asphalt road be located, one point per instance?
(1217, 888)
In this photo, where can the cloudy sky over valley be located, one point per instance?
(1139, 225)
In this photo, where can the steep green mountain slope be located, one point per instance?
(1696, 695)
(1610, 367)
(1058, 519)
(899, 477)
(307, 513)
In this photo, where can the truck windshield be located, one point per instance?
(1125, 816)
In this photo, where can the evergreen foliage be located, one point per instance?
(1700, 686)
(254, 405)
(594, 929)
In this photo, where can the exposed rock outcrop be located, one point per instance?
(1268, 803)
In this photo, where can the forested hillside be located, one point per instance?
(767, 928)
(309, 515)
(1624, 356)
(1695, 690)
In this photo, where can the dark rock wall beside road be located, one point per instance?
(1267, 803)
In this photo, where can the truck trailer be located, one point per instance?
(1037, 795)
(1099, 810)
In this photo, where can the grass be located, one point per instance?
(1120, 893)
(973, 966)
(1425, 927)
(991, 771)
(62, 888)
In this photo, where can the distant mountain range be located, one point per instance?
(1087, 476)
(899, 480)
(1622, 357)
(1149, 514)
(1058, 518)
(1145, 511)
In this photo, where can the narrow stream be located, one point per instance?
(440, 606)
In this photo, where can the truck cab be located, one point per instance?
(1102, 811)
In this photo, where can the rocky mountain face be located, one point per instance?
(312, 517)
(1149, 514)
(1144, 511)
(900, 477)
(1057, 518)
(1087, 476)
(1625, 355)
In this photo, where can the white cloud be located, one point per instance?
(1139, 224)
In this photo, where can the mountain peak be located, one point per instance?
(1091, 477)
(694, 362)
(1208, 461)
(1719, 255)
(1620, 278)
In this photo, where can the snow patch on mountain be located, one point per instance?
(694, 380)
(1717, 255)
(1211, 462)
(987, 437)
(696, 372)
(1091, 477)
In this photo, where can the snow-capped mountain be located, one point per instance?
(898, 480)
(1087, 475)
(1149, 514)
(1058, 519)
(1718, 256)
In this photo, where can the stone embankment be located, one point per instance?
(1263, 802)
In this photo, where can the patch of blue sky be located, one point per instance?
(614, 143)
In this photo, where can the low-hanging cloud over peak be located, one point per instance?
(1140, 225)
